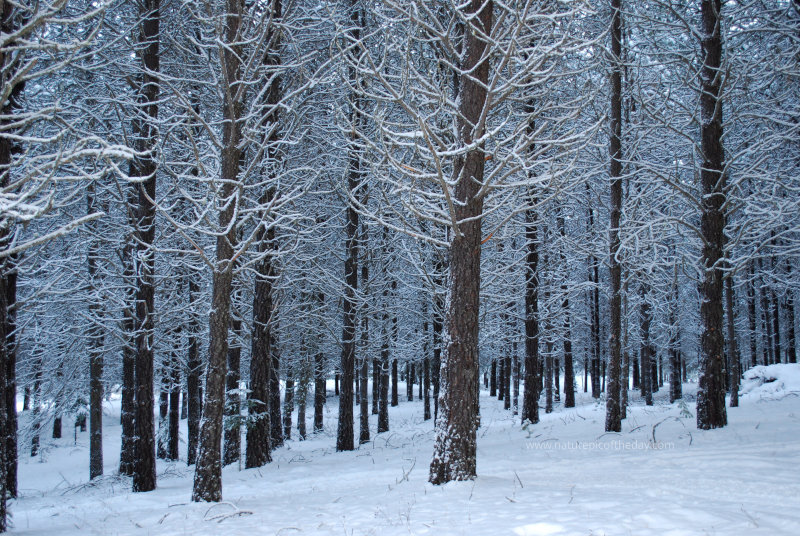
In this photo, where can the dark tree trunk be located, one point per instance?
(174, 409)
(320, 392)
(557, 379)
(4, 351)
(363, 435)
(259, 422)
(636, 374)
(57, 428)
(14, 83)
(515, 370)
(275, 423)
(144, 461)
(376, 383)
(501, 387)
(613, 414)
(383, 410)
(548, 377)
(569, 370)
(425, 377)
(208, 470)
(493, 379)
(302, 398)
(507, 382)
(288, 406)
(457, 423)
(676, 387)
(766, 324)
(263, 421)
(776, 327)
(530, 400)
(193, 372)
(711, 387)
(232, 436)
(128, 398)
(163, 412)
(733, 352)
(37, 405)
(791, 349)
(395, 397)
(344, 434)
(646, 368)
(751, 315)
(94, 344)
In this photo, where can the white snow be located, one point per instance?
(562, 476)
(771, 382)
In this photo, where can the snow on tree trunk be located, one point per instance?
(144, 462)
(454, 456)
(208, 471)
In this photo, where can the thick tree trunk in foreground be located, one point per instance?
(144, 462)
(613, 415)
(208, 470)
(711, 411)
(457, 423)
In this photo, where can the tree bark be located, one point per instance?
(613, 414)
(530, 399)
(193, 372)
(711, 386)
(144, 463)
(208, 471)
(345, 432)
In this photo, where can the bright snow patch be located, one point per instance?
(771, 382)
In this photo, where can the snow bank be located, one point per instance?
(771, 382)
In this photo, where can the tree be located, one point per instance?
(613, 414)
(711, 387)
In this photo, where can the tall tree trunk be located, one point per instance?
(646, 368)
(320, 392)
(791, 348)
(344, 434)
(711, 386)
(363, 435)
(288, 404)
(193, 372)
(128, 395)
(174, 407)
(95, 347)
(258, 430)
(569, 371)
(530, 399)
(232, 435)
(676, 387)
(493, 379)
(613, 414)
(383, 409)
(276, 426)
(395, 396)
(457, 423)
(733, 358)
(144, 472)
(208, 470)
(776, 327)
(3, 399)
(751, 314)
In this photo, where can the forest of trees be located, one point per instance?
(210, 208)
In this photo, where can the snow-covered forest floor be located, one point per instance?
(562, 476)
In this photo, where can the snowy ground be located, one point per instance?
(564, 476)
